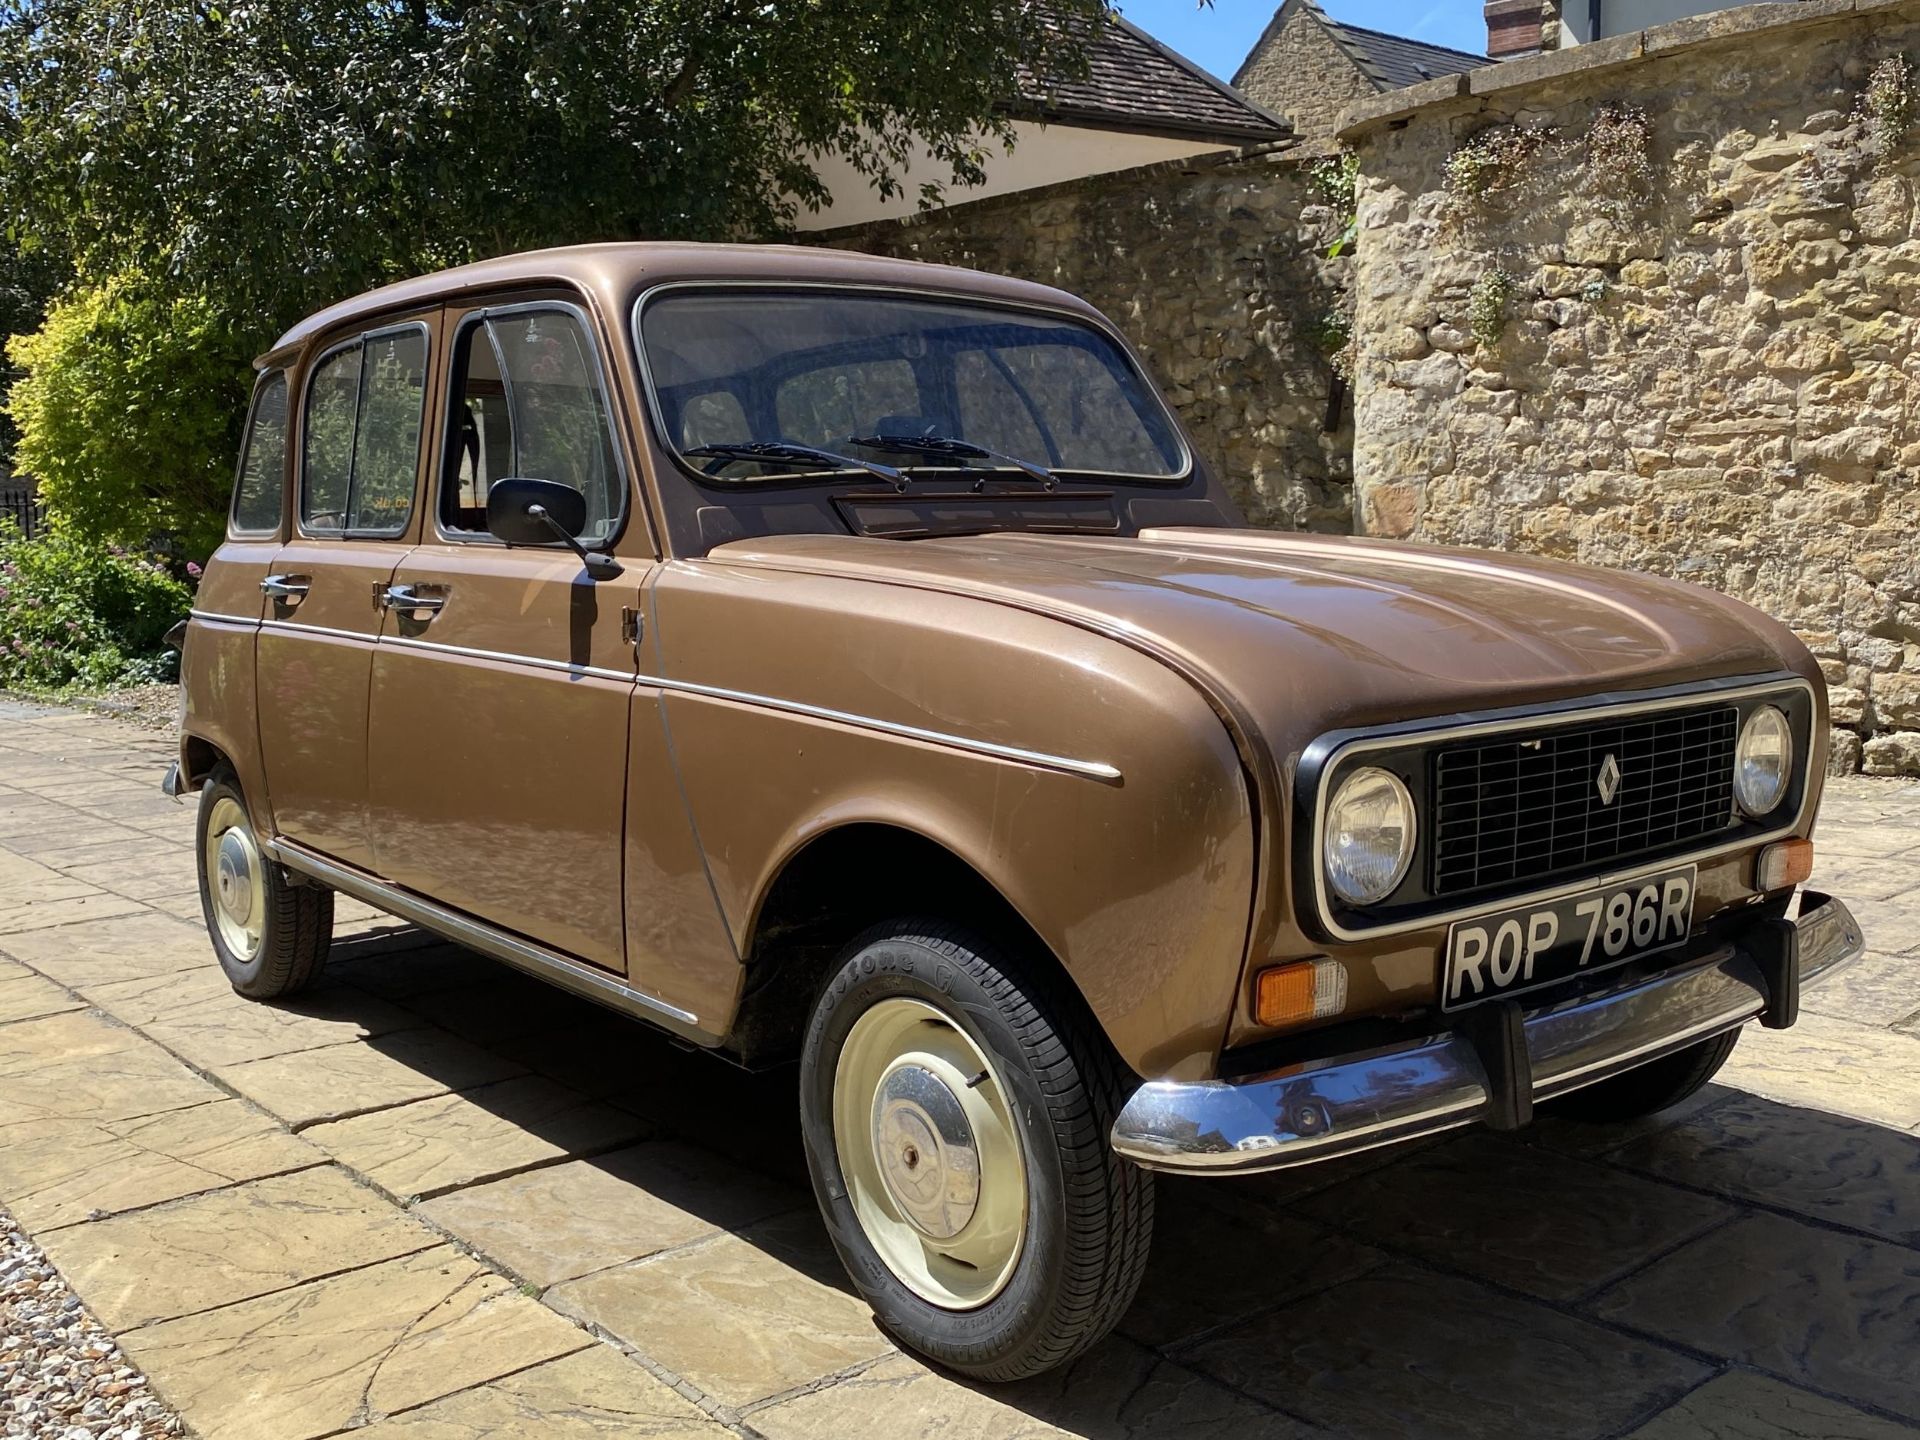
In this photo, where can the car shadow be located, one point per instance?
(1564, 1281)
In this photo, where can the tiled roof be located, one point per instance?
(1391, 62)
(1133, 82)
(1395, 61)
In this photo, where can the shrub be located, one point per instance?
(73, 612)
(129, 408)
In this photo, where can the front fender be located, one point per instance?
(1141, 884)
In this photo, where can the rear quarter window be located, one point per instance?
(259, 489)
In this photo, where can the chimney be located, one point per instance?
(1513, 28)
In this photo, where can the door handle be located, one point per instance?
(416, 602)
(286, 589)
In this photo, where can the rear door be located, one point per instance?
(504, 679)
(361, 415)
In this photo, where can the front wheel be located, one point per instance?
(1649, 1089)
(956, 1115)
(270, 936)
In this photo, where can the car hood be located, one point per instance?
(1299, 634)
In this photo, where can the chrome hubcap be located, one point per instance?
(926, 1153)
(930, 1154)
(235, 879)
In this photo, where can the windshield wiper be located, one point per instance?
(779, 452)
(946, 445)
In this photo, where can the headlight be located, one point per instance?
(1369, 836)
(1763, 762)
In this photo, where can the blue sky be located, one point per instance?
(1218, 39)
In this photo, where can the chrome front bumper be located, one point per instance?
(1323, 1108)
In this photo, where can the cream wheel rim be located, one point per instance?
(932, 1162)
(236, 880)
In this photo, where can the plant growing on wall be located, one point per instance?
(1886, 108)
(1492, 165)
(1620, 154)
(1487, 307)
(1337, 179)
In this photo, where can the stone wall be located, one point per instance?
(1216, 269)
(1655, 303)
(1301, 71)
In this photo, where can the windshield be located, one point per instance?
(824, 371)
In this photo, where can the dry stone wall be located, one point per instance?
(1655, 303)
(1217, 269)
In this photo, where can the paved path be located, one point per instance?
(445, 1203)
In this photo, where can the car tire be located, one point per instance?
(947, 1266)
(270, 935)
(1650, 1088)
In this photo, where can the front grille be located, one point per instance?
(1527, 804)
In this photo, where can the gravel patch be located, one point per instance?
(61, 1375)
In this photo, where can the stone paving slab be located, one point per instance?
(1833, 1065)
(315, 1359)
(1405, 1352)
(1743, 1406)
(593, 1394)
(192, 1013)
(227, 1245)
(1831, 1169)
(61, 1172)
(1831, 1311)
(431, 1146)
(744, 1317)
(334, 1082)
(566, 1221)
(1742, 1267)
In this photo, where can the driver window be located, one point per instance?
(527, 403)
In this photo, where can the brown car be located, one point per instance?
(847, 660)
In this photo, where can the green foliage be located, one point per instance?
(1620, 154)
(1492, 165)
(73, 613)
(27, 279)
(1487, 307)
(1337, 178)
(1332, 334)
(129, 408)
(1888, 106)
(280, 154)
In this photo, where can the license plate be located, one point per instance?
(1538, 945)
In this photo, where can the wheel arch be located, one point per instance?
(839, 881)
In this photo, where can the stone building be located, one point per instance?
(1526, 27)
(1310, 67)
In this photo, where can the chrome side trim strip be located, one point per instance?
(215, 617)
(536, 959)
(1039, 759)
(292, 627)
(1015, 754)
(405, 642)
(1339, 1106)
(1573, 885)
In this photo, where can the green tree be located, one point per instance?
(251, 160)
(129, 409)
(282, 153)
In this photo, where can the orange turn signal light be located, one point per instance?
(1788, 863)
(1304, 990)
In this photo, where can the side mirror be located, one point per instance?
(522, 511)
(512, 517)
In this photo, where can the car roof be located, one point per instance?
(616, 272)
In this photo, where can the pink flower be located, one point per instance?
(194, 572)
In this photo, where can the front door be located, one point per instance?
(504, 678)
(361, 417)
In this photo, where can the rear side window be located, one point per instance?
(258, 490)
(528, 403)
(365, 408)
